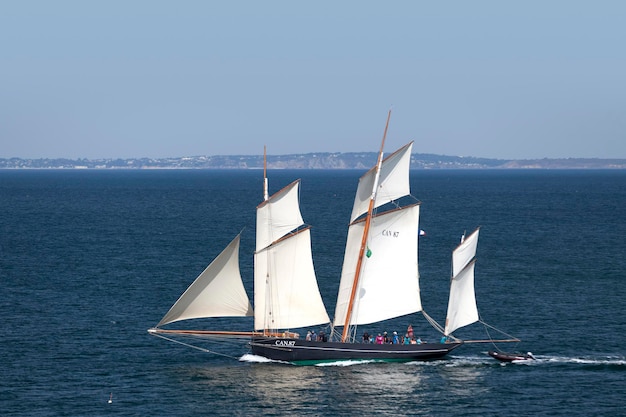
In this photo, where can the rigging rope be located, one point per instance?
(194, 347)
(438, 327)
(496, 329)
(488, 326)
(433, 323)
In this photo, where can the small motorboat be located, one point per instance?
(511, 357)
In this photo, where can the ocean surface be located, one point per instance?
(89, 260)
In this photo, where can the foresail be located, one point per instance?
(462, 309)
(217, 292)
(286, 293)
(393, 182)
(278, 215)
(389, 281)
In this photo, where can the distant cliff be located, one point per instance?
(348, 160)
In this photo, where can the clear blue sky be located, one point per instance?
(498, 79)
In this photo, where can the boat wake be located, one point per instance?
(610, 361)
(540, 360)
(618, 361)
(470, 361)
(249, 357)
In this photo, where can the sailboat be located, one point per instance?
(380, 264)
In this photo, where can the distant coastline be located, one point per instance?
(347, 160)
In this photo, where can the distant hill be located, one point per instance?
(322, 160)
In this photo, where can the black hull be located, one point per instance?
(306, 352)
(510, 357)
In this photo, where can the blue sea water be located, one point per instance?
(90, 259)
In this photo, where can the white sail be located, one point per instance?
(393, 182)
(278, 215)
(389, 281)
(462, 309)
(465, 252)
(217, 292)
(286, 294)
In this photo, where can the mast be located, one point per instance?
(265, 199)
(265, 187)
(285, 285)
(368, 220)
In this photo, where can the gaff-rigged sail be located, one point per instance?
(462, 309)
(217, 292)
(286, 294)
(389, 281)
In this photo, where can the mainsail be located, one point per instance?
(217, 292)
(389, 273)
(462, 308)
(286, 294)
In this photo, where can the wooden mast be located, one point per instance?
(368, 220)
